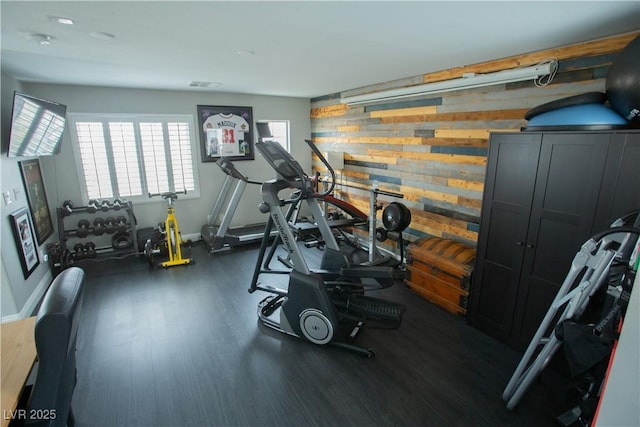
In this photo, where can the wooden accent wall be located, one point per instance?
(433, 149)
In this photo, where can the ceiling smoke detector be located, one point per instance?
(196, 83)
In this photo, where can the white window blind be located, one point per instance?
(131, 156)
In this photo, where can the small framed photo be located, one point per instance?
(25, 240)
(226, 132)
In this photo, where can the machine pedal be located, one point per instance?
(389, 313)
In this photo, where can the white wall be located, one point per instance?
(61, 177)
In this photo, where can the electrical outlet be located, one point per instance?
(16, 193)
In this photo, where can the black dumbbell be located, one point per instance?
(67, 208)
(92, 207)
(105, 205)
(78, 251)
(98, 226)
(90, 250)
(117, 204)
(83, 228)
(121, 223)
(110, 225)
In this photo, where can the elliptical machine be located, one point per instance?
(327, 306)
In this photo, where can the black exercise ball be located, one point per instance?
(623, 82)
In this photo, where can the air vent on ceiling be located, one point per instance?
(196, 83)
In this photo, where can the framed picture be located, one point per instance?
(37, 198)
(226, 132)
(23, 233)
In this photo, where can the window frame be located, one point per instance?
(105, 119)
(288, 136)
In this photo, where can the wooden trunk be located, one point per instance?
(440, 271)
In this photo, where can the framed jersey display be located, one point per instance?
(226, 132)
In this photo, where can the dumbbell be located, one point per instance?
(92, 207)
(117, 204)
(78, 251)
(110, 225)
(98, 226)
(83, 228)
(105, 205)
(121, 223)
(90, 250)
(67, 208)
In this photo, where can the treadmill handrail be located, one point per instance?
(230, 169)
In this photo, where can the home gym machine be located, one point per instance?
(172, 240)
(602, 270)
(326, 306)
(217, 234)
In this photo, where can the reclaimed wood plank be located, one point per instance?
(469, 185)
(444, 158)
(372, 140)
(368, 158)
(600, 46)
(458, 116)
(349, 128)
(403, 112)
(329, 111)
(469, 133)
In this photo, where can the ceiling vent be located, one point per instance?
(196, 83)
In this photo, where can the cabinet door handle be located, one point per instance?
(519, 243)
(530, 246)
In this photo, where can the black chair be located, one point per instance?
(55, 336)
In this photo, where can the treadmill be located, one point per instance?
(217, 234)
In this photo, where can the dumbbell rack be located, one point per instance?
(119, 228)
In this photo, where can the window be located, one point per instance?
(279, 131)
(131, 156)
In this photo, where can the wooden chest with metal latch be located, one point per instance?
(440, 270)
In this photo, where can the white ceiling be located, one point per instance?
(302, 48)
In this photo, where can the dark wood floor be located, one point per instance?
(183, 347)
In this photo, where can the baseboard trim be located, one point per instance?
(29, 307)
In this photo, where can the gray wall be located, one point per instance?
(61, 176)
(15, 291)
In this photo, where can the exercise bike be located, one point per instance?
(172, 241)
(325, 306)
